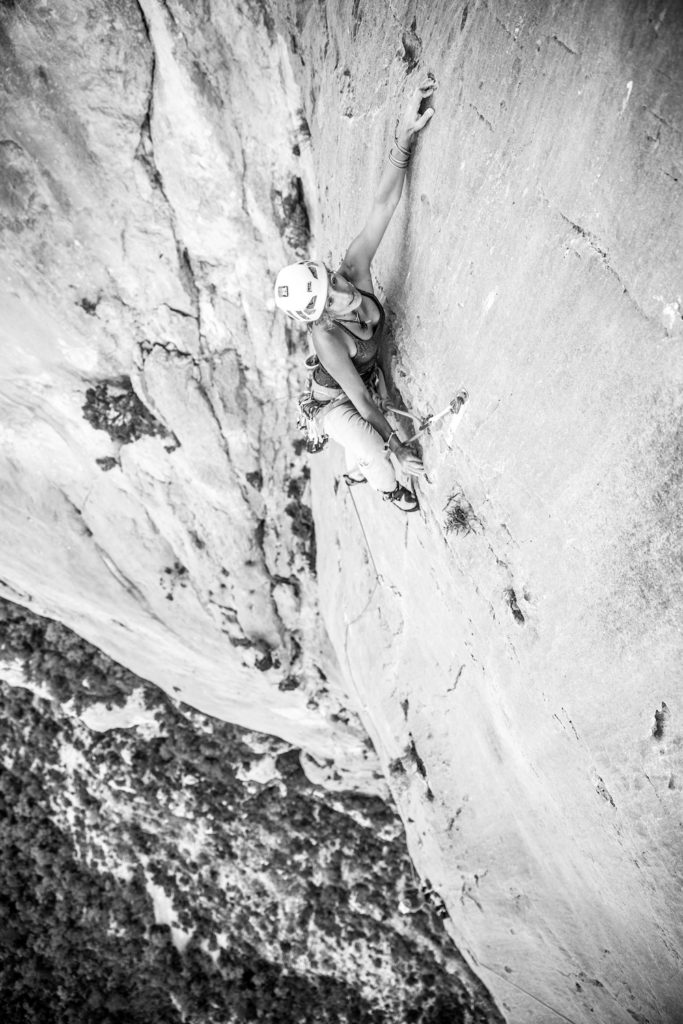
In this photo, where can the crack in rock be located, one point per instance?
(556, 39)
(511, 598)
(145, 154)
(603, 256)
(481, 117)
(602, 790)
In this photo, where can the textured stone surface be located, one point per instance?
(515, 651)
(523, 634)
(143, 208)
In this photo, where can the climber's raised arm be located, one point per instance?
(346, 322)
(356, 263)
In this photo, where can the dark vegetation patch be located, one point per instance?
(660, 721)
(265, 662)
(62, 660)
(280, 876)
(89, 306)
(113, 406)
(459, 515)
(173, 577)
(301, 516)
(291, 216)
(290, 683)
(303, 127)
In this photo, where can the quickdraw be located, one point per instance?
(425, 422)
(307, 422)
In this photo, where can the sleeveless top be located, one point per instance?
(366, 349)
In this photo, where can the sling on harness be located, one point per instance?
(316, 438)
(309, 409)
(317, 397)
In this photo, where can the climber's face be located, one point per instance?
(342, 296)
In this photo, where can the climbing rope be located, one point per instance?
(519, 988)
(423, 425)
(378, 575)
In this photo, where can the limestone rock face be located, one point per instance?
(522, 634)
(152, 165)
(514, 650)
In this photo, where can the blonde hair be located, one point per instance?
(325, 320)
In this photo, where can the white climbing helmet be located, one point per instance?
(301, 290)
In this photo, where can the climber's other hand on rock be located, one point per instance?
(409, 462)
(412, 121)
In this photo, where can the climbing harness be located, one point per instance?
(317, 397)
(353, 476)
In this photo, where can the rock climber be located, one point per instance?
(346, 321)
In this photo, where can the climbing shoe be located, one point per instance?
(352, 479)
(402, 498)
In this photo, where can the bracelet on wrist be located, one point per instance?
(396, 160)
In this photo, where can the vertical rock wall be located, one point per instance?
(153, 166)
(516, 648)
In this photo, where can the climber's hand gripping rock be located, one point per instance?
(412, 121)
(410, 463)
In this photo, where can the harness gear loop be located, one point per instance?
(307, 422)
(317, 397)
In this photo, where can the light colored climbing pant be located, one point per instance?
(364, 446)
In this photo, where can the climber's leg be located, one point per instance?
(364, 446)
